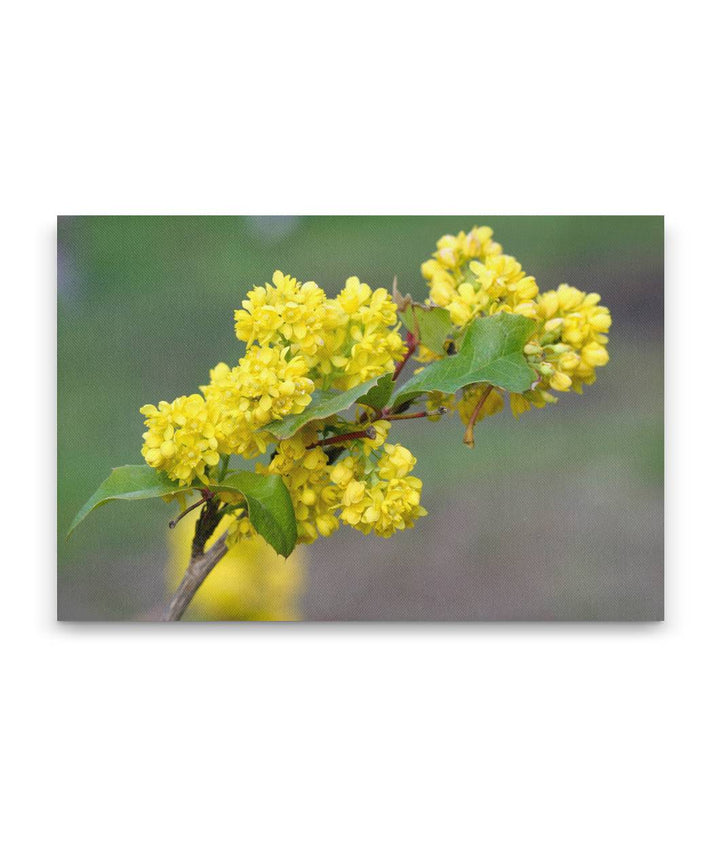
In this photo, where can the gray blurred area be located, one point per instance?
(555, 516)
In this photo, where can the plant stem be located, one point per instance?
(197, 571)
(469, 438)
(201, 561)
(369, 432)
(396, 417)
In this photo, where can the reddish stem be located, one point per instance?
(206, 494)
(395, 417)
(173, 523)
(412, 342)
(469, 438)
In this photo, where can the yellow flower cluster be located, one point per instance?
(381, 499)
(189, 434)
(297, 340)
(180, 438)
(568, 346)
(266, 384)
(286, 312)
(370, 487)
(307, 476)
(448, 268)
(573, 334)
(343, 341)
(252, 583)
(471, 277)
(474, 277)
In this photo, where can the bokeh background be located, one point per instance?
(557, 515)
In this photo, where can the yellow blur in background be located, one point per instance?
(251, 583)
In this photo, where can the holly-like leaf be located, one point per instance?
(270, 508)
(491, 352)
(325, 402)
(430, 324)
(134, 481)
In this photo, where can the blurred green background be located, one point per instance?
(557, 515)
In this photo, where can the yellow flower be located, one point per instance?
(250, 583)
(396, 463)
(353, 496)
(354, 295)
(180, 438)
(344, 471)
(504, 285)
(560, 381)
(521, 403)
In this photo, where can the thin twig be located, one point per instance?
(411, 341)
(173, 523)
(396, 417)
(370, 432)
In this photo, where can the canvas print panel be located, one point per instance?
(360, 418)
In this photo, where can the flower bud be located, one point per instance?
(559, 348)
(326, 525)
(546, 369)
(553, 325)
(595, 354)
(308, 497)
(560, 381)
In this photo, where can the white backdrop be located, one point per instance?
(356, 739)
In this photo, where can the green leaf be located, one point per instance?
(270, 508)
(379, 395)
(325, 402)
(491, 352)
(134, 481)
(430, 324)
